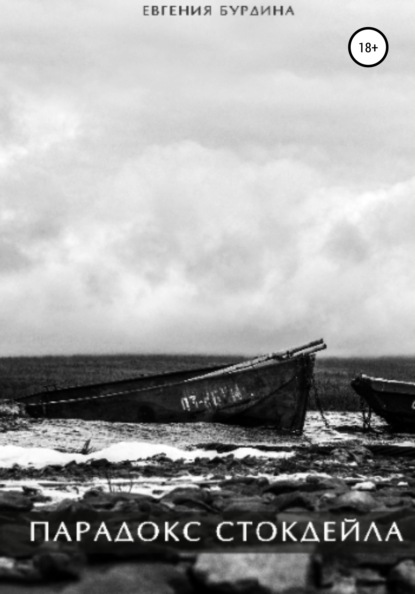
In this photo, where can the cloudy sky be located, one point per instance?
(217, 184)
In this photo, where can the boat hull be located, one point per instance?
(394, 401)
(274, 392)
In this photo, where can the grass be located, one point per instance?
(27, 375)
(333, 377)
(113, 487)
(86, 448)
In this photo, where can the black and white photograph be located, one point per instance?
(207, 329)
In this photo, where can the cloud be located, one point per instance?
(228, 185)
(199, 243)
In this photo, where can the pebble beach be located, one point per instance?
(225, 496)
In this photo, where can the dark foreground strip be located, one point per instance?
(392, 450)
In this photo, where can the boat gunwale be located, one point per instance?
(123, 381)
(380, 385)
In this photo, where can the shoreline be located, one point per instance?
(316, 483)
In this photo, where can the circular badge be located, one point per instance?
(368, 47)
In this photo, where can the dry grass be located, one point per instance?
(333, 377)
(20, 376)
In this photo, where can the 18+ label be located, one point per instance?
(368, 47)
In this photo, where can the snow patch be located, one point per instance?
(119, 452)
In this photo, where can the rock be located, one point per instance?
(99, 463)
(395, 501)
(39, 498)
(14, 501)
(346, 584)
(68, 508)
(17, 570)
(252, 573)
(94, 492)
(325, 500)
(358, 501)
(326, 571)
(14, 539)
(321, 483)
(193, 498)
(381, 563)
(286, 486)
(132, 578)
(364, 486)
(311, 483)
(373, 589)
(401, 578)
(368, 576)
(247, 504)
(295, 499)
(58, 565)
(341, 574)
(356, 454)
(239, 481)
(119, 501)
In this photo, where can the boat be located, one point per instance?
(268, 390)
(392, 400)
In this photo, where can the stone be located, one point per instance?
(285, 486)
(296, 499)
(381, 563)
(188, 499)
(181, 494)
(14, 539)
(326, 571)
(247, 504)
(69, 508)
(18, 570)
(322, 483)
(14, 501)
(341, 575)
(55, 565)
(132, 578)
(120, 501)
(344, 585)
(401, 578)
(368, 576)
(240, 481)
(99, 463)
(357, 454)
(373, 589)
(364, 486)
(358, 501)
(311, 483)
(253, 573)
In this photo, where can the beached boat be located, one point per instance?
(392, 400)
(268, 390)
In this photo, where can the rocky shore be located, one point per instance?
(311, 495)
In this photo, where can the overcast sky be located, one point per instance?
(217, 184)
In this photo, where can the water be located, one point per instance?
(70, 435)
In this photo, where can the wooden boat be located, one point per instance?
(392, 400)
(269, 390)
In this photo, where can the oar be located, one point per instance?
(306, 349)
